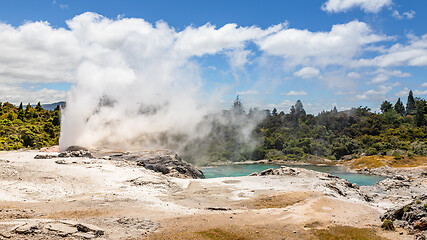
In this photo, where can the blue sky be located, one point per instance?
(380, 51)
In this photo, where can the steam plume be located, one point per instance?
(137, 86)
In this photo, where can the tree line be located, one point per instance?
(397, 131)
(29, 127)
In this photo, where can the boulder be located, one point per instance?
(412, 215)
(84, 227)
(165, 162)
(61, 229)
(26, 228)
(75, 148)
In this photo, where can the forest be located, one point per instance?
(236, 135)
(397, 131)
(29, 127)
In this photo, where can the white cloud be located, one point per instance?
(248, 92)
(15, 93)
(362, 97)
(403, 93)
(381, 90)
(412, 54)
(39, 53)
(353, 75)
(238, 58)
(208, 39)
(408, 15)
(420, 92)
(336, 47)
(372, 6)
(307, 72)
(383, 75)
(285, 104)
(35, 52)
(295, 93)
(424, 84)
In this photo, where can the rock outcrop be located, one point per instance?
(412, 216)
(58, 228)
(72, 151)
(165, 162)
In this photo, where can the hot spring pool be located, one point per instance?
(246, 169)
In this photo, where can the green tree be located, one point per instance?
(38, 107)
(27, 110)
(420, 106)
(335, 110)
(410, 105)
(399, 107)
(274, 112)
(20, 107)
(21, 114)
(386, 106)
(299, 108)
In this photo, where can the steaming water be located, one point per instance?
(244, 170)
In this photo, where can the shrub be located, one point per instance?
(388, 225)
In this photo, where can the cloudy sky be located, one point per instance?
(327, 53)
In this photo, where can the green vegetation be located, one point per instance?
(396, 131)
(388, 225)
(347, 233)
(29, 127)
(235, 135)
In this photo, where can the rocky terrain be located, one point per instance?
(155, 195)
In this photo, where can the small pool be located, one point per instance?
(246, 169)
(237, 170)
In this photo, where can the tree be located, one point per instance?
(238, 106)
(335, 110)
(399, 107)
(386, 106)
(410, 105)
(420, 106)
(39, 107)
(21, 114)
(20, 107)
(299, 108)
(274, 112)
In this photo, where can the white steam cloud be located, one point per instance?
(137, 85)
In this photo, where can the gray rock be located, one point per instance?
(84, 235)
(84, 227)
(400, 223)
(165, 162)
(60, 161)
(421, 224)
(420, 236)
(414, 213)
(26, 228)
(61, 229)
(75, 148)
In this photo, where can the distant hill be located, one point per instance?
(52, 106)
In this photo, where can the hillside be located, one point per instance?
(29, 127)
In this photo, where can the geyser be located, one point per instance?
(136, 84)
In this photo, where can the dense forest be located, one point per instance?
(29, 127)
(237, 135)
(397, 131)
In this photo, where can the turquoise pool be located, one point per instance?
(246, 169)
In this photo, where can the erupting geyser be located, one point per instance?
(136, 83)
